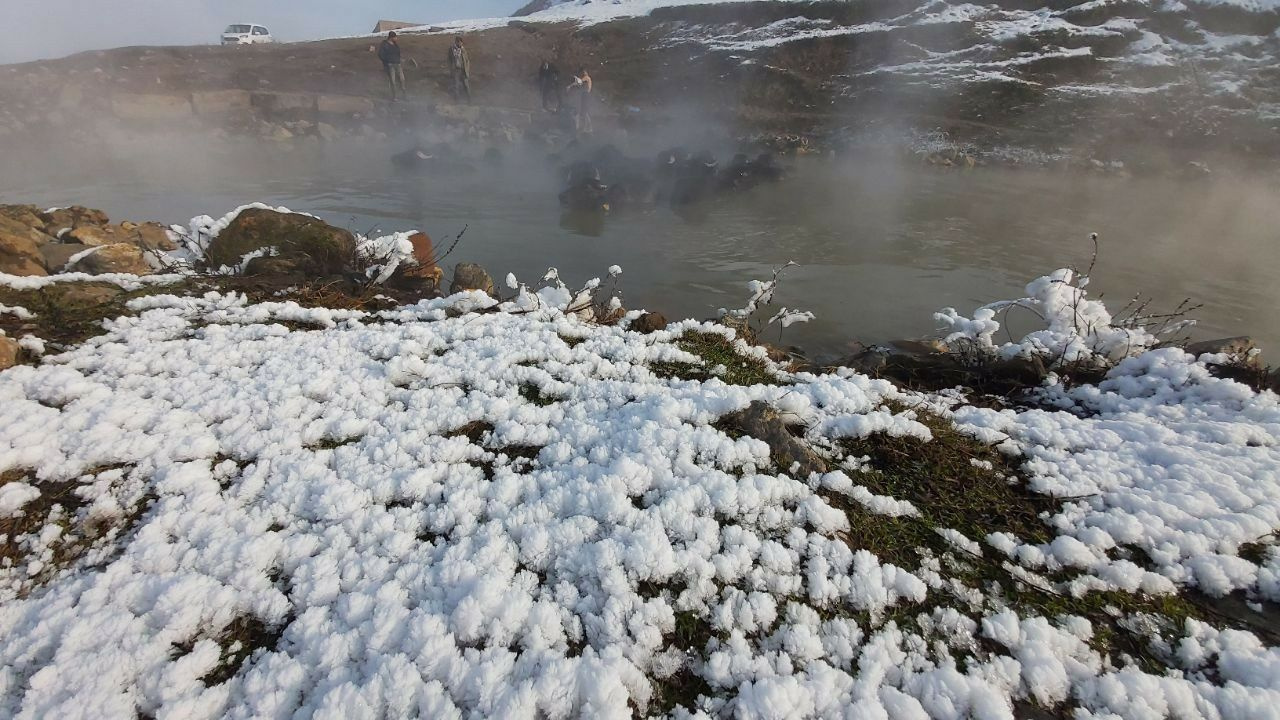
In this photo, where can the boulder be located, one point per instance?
(58, 255)
(763, 423)
(117, 258)
(153, 236)
(1241, 347)
(424, 254)
(20, 255)
(56, 221)
(649, 322)
(1025, 372)
(28, 215)
(270, 265)
(870, 361)
(470, 276)
(16, 229)
(97, 235)
(314, 246)
(8, 352)
(327, 132)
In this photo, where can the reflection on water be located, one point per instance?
(881, 246)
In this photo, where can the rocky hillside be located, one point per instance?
(1166, 83)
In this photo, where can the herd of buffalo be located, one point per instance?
(603, 180)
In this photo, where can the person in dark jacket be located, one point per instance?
(549, 83)
(389, 54)
(460, 66)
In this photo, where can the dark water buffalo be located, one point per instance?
(584, 191)
(743, 173)
(607, 180)
(695, 179)
(438, 157)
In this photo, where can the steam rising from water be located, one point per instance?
(882, 244)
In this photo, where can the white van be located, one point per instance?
(246, 34)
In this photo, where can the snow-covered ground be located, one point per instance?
(469, 509)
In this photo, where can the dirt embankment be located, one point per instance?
(721, 66)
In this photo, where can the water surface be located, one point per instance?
(881, 245)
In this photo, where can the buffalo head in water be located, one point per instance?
(584, 192)
(438, 157)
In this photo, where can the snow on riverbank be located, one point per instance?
(442, 512)
(1119, 42)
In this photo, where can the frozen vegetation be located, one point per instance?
(472, 507)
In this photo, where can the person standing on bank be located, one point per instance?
(582, 85)
(460, 67)
(549, 83)
(389, 54)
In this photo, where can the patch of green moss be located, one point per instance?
(716, 350)
(532, 393)
(68, 314)
(941, 479)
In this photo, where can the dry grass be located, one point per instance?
(59, 503)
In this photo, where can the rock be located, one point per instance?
(153, 236)
(28, 215)
(327, 132)
(16, 229)
(57, 255)
(425, 255)
(148, 236)
(81, 294)
(1238, 347)
(97, 235)
(56, 221)
(271, 266)
(20, 255)
(763, 423)
(344, 105)
(8, 352)
(118, 258)
(220, 102)
(649, 322)
(315, 247)
(870, 361)
(150, 108)
(1017, 372)
(469, 276)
